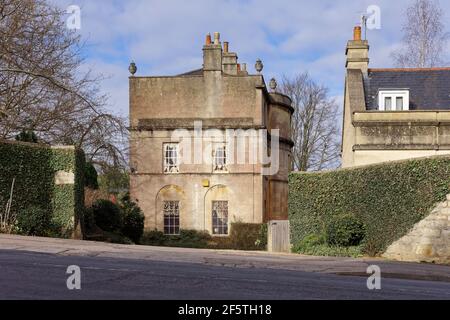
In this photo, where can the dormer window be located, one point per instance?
(393, 100)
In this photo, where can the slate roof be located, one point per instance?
(197, 72)
(429, 89)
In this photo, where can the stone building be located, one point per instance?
(393, 114)
(216, 111)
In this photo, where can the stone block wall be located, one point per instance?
(428, 241)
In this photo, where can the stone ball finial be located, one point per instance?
(259, 66)
(273, 84)
(132, 68)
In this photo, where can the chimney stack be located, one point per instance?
(229, 60)
(212, 53)
(357, 52)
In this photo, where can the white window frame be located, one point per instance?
(168, 166)
(393, 94)
(220, 167)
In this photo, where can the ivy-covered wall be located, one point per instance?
(33, 167)
(388, 198)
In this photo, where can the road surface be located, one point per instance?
(27, 275)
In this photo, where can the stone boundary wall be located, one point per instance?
(428, 241)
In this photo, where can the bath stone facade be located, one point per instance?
(208, 195)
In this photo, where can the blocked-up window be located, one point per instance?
(171, 158)
(220, 158)
(171, 217)
(220, 217)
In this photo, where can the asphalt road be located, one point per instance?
(25, 275)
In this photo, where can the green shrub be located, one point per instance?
(243, 236)
(110, 237)
(90, 176)
(248, 236)
(114, 237)
(261, 242)
(186, 239)
(189, 239)
(34, 221)
(107, 215)
(89, 220)
(114, 180)
(316, 245)
(328, 251)
(133, 219)
(345, 230)
(153, 238)
(312, 240)
(221, 243)
(389, 199)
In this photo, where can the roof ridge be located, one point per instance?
(408, 69)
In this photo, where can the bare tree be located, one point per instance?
(315, 126)
(43, 88)
(425, 39)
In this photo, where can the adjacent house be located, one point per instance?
(193, 146)
(392, 114)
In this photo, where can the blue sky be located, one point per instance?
(165, 37)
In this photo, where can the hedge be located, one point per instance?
(389, 199)
(34, 167)
(243, 236)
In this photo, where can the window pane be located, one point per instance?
(399, 103)
(220, 158)
(171, 158)
(171, 212)
(388, 103)
(220, 217)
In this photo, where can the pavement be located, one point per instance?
(226, 258)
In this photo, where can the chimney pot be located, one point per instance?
(216, 38)
(357, 34)
(208, 39)
(225, 47)
(244, 67)
(239, 67)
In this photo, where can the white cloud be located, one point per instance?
(166, 36)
